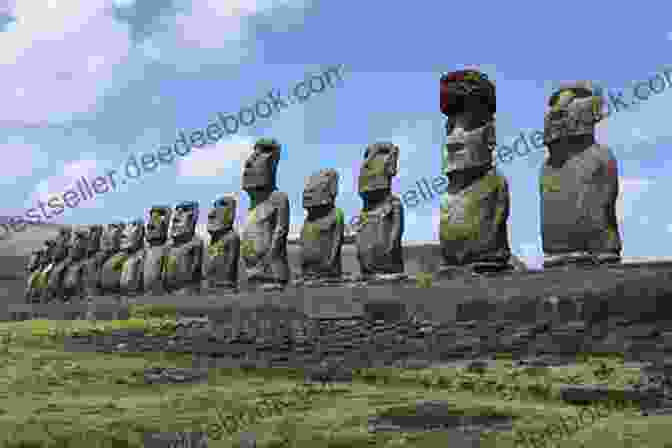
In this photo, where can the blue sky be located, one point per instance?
(85, 84)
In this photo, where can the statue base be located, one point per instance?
(478, 269)
(581, 259)
(317, 282)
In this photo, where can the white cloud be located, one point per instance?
(215, 161)
(214, 23)
(669, 35)
(20, 160)
(81, 39)
(72, 171)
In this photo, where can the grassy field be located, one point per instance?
(50, 397)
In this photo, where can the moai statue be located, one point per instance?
(183, 271)
(220, 270)
(37, 277)
(74, 281)
(474, 210)
(61, 260)
(264, 238)
(579, 182)
(323, 230)
(132, 247)
(381, 225)
(110, 261)
(156, 250)
(91, 267)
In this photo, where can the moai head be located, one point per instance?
(222, 215)
(156, 229)
(261, 167)
(95, 235)
(62, 243)
(379, 167)
(185, 217)
(574, 109)
(468, 100)
(79, 245)
(321, 189)
(110, 241)
(133, 236)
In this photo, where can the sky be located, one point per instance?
(87, 84)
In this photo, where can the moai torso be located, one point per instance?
(91, 264)
(323, 230)
(38, 261)
(55, 283)
(474, 211)
(578, 183)
(184, 262)
(220, 267)
(473, 221)
(132, 245)
(381, 225)
(156, 250)
(264, 238)
(112, 259)
(74, 286)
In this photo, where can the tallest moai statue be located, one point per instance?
(579, 182)
(475, 208)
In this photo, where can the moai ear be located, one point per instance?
(394, 154)
(333, 178)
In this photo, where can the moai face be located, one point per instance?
(185, 217)
(222, 215)
(80, 244)
(133, 236)
(36, 259)
(95, 234)
(261, 167)
(111, 238)
(468, 100)
(573, 110)
(62, 243)
(156, 229)
(321, 189)
(379, 167)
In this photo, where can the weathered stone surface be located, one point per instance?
(156, 252)
(38, 271)
(182, 273)
(323, 229)
(109, 262)
(220, 269)
(54, 288)
(578, 182)
(264, 238)
(381, 221)
(132, 245)
(475, 206)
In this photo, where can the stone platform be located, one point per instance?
(617, 309)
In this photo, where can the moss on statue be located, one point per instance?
(247, 249)
(550, 183)
(118, 262)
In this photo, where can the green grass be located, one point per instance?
(86, 398)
